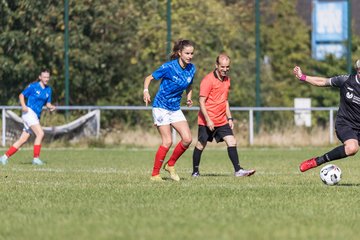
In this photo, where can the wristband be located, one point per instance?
(230, 118)
(146, 90)
(303, 77)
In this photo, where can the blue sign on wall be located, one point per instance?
(330, 28)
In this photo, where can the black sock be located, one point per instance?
(233, 155)
(335, 154)
(196, 159)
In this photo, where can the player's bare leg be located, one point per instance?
(39, 135)
(13, 149)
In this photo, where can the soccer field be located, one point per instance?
(106, 194)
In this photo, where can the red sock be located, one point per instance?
(11, 151)
(37, 151)
(178, 151)
(159, 159)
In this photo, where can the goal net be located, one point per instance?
(87, 126)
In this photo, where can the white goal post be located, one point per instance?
(84, 127)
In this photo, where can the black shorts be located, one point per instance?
(206, 135)
(345, 132)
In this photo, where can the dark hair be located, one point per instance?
(41, 71)
(44, 70)
(179, 46)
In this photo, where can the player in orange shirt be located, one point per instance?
(214, 118)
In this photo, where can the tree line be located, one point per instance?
(113, 45)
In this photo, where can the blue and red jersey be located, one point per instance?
(174, 80)
(37, 97)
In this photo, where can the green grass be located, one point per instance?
(106, 194)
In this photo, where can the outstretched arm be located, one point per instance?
(315, 81)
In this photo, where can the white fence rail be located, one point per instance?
(250, 110)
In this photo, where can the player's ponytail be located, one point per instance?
(42, 70)
(179, 46)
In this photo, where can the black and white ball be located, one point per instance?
(330, 174)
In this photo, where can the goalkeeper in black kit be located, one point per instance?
(347, 124)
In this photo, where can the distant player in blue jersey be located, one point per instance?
(347, 125)
(176, 76)
(38, 95)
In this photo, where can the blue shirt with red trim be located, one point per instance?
(37, 97)
(174, 80)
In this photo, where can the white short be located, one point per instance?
(30, 118)
(165, 117)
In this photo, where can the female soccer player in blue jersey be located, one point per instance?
(176, 76)
(38, 95)
(347, 123)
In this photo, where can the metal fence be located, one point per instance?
(250, 110)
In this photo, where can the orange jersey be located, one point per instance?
(216, 93)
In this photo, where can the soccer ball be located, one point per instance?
(330, 174)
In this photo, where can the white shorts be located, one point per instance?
(30, 118)
(166, 117)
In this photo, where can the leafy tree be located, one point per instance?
(114, 44)
(28, 37)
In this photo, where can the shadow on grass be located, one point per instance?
(201, 176)
(30, 163)
(214, 175)
(348, 185)
(26, 163)
(170, 180)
